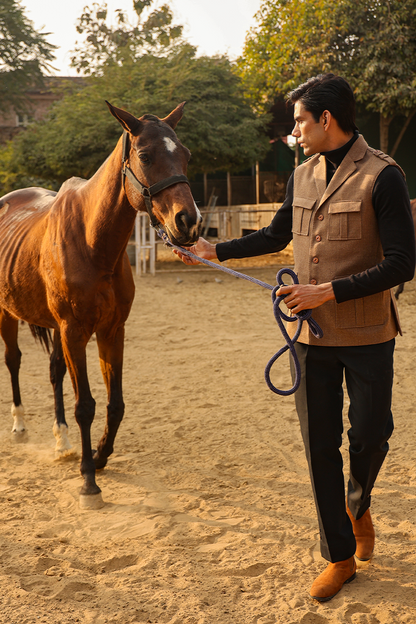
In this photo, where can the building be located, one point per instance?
(38, 102)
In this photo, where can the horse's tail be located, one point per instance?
(42, 334)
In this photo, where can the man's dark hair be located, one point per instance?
(327, 92)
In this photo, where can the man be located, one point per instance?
(347, 210)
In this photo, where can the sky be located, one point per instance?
(213, 26)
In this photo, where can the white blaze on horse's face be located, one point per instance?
(170, 145)
(198, 214)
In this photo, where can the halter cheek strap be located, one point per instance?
(147, 191)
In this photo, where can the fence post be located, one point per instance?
(257, 183)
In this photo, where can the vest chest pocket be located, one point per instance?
(344, 220)
(302, 213)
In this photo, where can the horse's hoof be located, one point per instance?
(18, 413)
(91, 501)
(20, 436)
(67, 454)
(63, 448)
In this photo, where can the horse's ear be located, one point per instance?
(175, 116)
(128, 121)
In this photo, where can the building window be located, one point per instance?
(22, 119)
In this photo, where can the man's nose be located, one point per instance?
(295, 131)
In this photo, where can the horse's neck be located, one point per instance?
(109, 218)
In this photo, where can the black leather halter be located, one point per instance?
(147, 191)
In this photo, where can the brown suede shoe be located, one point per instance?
(333, 578)
(364, 535)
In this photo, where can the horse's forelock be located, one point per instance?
(149, 117)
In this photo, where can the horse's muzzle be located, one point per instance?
(187, 228)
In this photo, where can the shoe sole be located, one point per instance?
(326, 598)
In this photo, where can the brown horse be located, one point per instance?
(64, 267)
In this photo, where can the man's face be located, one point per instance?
(309, 134)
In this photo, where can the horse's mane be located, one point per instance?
(73, 183)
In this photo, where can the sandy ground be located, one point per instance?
(209, 516)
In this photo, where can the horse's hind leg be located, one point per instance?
(111, 362)
(57, 370)
(13, 356)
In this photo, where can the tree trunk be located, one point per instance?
(384, 133)
(401, 133)
(257, 183)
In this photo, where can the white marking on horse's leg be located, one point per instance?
(18, 414)
(63, 446)
(170, 145)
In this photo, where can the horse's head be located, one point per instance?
(154, 168)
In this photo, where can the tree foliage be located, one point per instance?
(104, 44)
(372, 43)
(218, 126)
(25, 55)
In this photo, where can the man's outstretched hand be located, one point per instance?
(202, 248)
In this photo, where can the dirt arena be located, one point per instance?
(209, 516)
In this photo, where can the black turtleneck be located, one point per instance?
(392, 208)
(335, 157)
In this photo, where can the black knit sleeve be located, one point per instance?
(392, 208)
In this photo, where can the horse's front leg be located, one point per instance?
(13, 356)
(111, 350)
(57, 370)
(74, 347)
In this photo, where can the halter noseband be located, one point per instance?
(147, 191)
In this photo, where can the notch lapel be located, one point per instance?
(344, 171)
(319, 173)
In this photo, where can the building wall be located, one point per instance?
(37, 104)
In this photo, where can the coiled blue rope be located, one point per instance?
(305, 315)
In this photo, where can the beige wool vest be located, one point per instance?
(335, 235)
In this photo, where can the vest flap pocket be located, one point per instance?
(344, 206)
(365, 312)
(302, 213)
(344, 220)
(304, 202)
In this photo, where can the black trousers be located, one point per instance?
(368, 374)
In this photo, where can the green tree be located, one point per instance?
(103, 44)
(219, 126)
(25, 55)
(371, 43)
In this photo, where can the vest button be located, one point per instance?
(315, 260)
(321, 217)
(313, 282)
(318, 238)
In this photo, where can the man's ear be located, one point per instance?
(326, 118)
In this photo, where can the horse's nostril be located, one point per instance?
(183, 219)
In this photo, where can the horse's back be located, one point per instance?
(33, 197)
(23, 223)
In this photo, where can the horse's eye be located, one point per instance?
(144, 158)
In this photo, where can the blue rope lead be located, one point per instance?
(305, 315)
